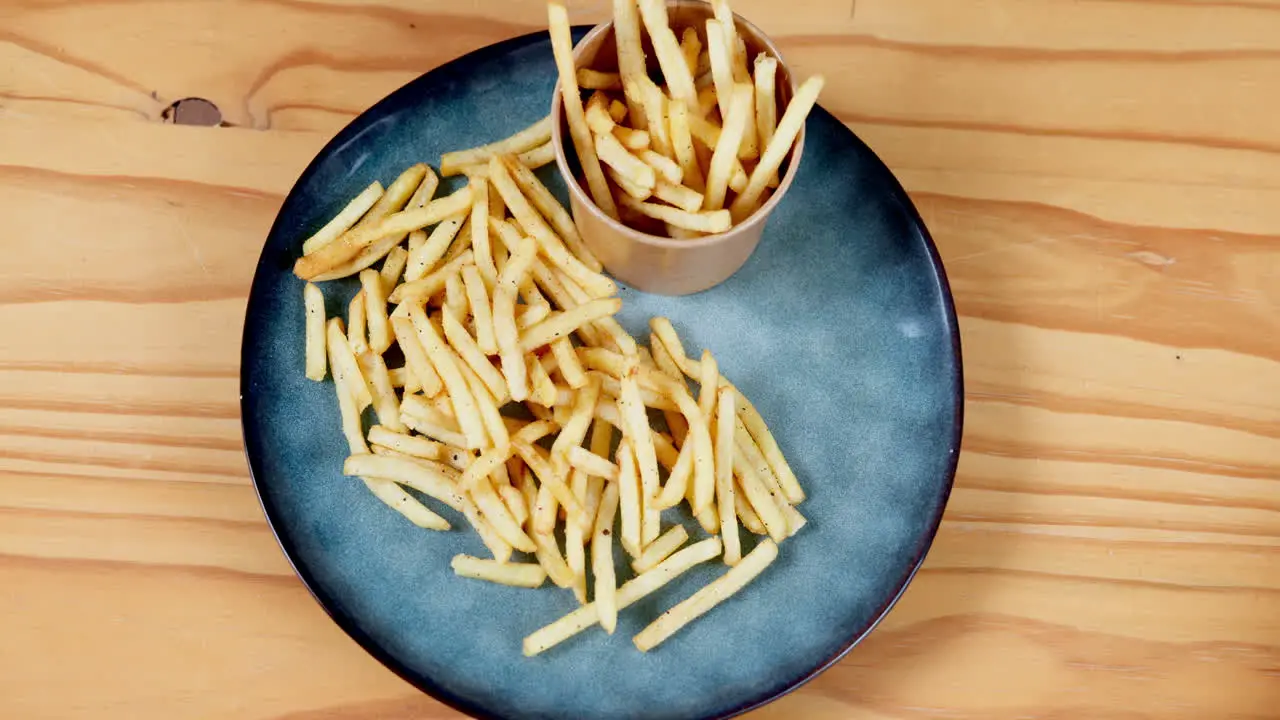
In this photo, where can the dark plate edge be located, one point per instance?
(348, 623)
(949, 307)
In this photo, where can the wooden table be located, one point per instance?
(1102, 179)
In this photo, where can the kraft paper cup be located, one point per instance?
(655, 263)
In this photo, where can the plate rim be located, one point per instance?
(349, 624)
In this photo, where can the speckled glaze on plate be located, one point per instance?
(840, 328)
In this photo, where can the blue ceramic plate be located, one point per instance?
(840, 329)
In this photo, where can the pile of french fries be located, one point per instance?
(504, 388)
(694, 156)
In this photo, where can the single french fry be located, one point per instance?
(533, 159)
(708, 381)
(591, 463)
(528, 575)
(756, 460)
(670, 59)
(703, 486)
(352, 429)
(747, 516)
(765, 505)
(419, 476)
(738, 180)
(725, 413)
(653, 103)
(714, 593)
(631, 62)
(432, 427)
(628, 594)
(707, 517)
(720, 51)
(636, 428)
(707, 100)
(396, 197)
(766, 69)
(631, 139)
(617, 157)
(516, 506)
(333, 255)
(574, 432)
(769, 448)
(426, 191)
(402, 502)
(385, 401)
(629, 498)
(662, 329)
(343, 365)
(375, 305)
(537, 134)
(677, 479)
(544, 511)
(480, 228)
(551, 209)
(664, 167)
(707, 134)
(789, 127)
(795, 520)
(722, 159)
(682, 148)
(416, 239)
(660, 549)
(567, 360)
(576, 536)
(415, 357)
(482, 313)
(571, 101)
(606, 601)
(542, 391)
(691, 48)
(532, 315)
(313, 304)
(445, 363)
(618, 111)
(636, 192)
(495, 541)
(589, 79)
(393, 267)
(563, 323)
(504, 320)
(497, 211)
(455, 296)
(345, 219)
(445, 468)
(549, 557)
(357, 335)
(711, 221)
(473, 356)
(597, 113)
(487, 404)
(403, 379)
(408, 444)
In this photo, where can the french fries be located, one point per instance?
(655, 177)
(701, 602)
(495, 303)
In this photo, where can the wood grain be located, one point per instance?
(1101, 177)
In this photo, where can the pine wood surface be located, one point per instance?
(1102, 178)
